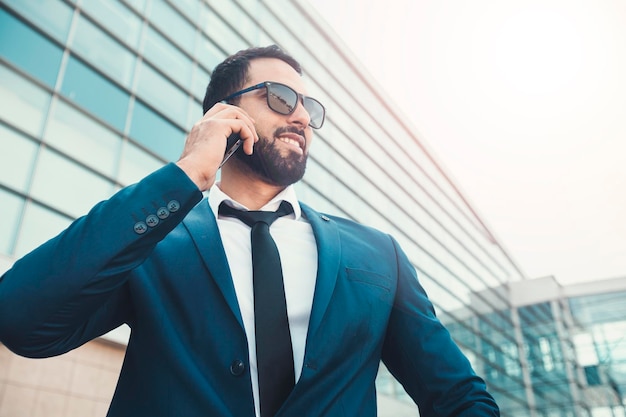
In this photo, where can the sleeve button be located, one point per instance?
(152, 220)
(173, 206)
(163, 213)
(140, 228)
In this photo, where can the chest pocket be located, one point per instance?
(383, 282)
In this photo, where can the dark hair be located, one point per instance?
(230, 75)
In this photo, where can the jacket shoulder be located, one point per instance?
(343, 224)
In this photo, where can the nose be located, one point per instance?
(300, 115)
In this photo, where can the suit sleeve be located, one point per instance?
(421, 355)
(72, 288)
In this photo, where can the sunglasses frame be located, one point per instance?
(267, 85)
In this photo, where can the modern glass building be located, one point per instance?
(95, 94)
(598, 336)
(569, 348)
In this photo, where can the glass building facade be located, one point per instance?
(96, 94)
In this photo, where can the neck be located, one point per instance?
(247, 189)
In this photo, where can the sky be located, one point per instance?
(524, 104)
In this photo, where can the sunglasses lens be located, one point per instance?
(281, 98)
(316, 112)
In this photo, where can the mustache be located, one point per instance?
(288, 129)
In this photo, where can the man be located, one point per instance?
(178, 270)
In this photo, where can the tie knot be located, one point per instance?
(252, 217)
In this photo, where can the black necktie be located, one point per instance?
(273, 339)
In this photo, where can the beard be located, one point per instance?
(268, 163)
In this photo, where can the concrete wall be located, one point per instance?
(77, 384)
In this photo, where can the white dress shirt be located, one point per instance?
(298, 256)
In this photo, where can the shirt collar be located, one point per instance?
(216, 196)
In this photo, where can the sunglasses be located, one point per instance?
(284, 100)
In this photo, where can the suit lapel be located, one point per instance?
(328, 260)
(202, 226)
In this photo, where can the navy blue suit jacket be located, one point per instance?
(187, 355)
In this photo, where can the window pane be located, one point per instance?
(208, 54)
(39, 225)
(52, 16)
(66, 186)
(191, 8)
(156, 133)
(29, 50)
(109, 57)
(116, 18)
(170, 22)
(23, 104)
(83, 138)
(16, 159)
(163, 55)
(98, 95)
(201, 80)
(136, 164)
(217, 29)
(161, 94)
(11, 211)
(195, 113)
(233, 13)
(138, 5)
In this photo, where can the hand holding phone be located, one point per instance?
(232, 144)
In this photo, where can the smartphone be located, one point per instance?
(232, 144)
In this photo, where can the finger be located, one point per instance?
(245, 126)
(249, 137)
(239, 122)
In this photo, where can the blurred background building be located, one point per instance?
(95, 94)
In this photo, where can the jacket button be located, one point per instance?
(237, 367)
